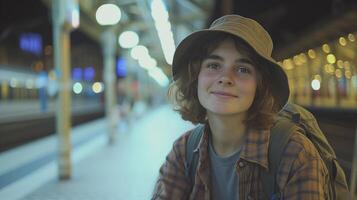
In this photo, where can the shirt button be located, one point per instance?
(241, 164)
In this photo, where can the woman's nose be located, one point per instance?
(226, 78)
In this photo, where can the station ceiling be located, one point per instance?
(295, 25)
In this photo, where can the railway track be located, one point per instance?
(26, 129)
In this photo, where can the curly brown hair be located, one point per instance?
(183, 91)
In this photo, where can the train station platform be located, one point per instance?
(125, 170)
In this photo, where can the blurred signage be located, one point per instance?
(31, 42)
(77, 73)
(121, 68)
(89, 73)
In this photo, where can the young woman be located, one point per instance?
(225, 78)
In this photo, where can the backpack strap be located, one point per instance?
(279, 136)
(192, 152)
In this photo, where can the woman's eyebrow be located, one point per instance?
(244, 60)
(220, 58)
(213, 57)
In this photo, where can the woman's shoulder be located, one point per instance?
(180, 143)
(299, 144)
(298, 154)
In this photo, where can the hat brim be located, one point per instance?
(280, 86)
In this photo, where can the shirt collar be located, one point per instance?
(255, 148)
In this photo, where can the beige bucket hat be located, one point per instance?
(251, 32)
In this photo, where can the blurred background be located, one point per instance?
(66, 64)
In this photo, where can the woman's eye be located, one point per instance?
(243, 70)
(212, 66)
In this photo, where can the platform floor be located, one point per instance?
(126, 170)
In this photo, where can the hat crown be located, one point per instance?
(247, 29)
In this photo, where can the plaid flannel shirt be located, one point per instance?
(302, 174)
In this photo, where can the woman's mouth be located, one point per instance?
(223, 94)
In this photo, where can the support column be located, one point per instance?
(108, 46)
(61, 44)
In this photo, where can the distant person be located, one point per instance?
(124, 103)
(123, 99)
(42, 82)
(225, 78)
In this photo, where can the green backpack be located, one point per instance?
(290, 119)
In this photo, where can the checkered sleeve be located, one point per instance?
(172, 183)
(302, 170)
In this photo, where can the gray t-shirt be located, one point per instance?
(224, 177)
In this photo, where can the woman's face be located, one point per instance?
(227, 81)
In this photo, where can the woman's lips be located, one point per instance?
(223, 94)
